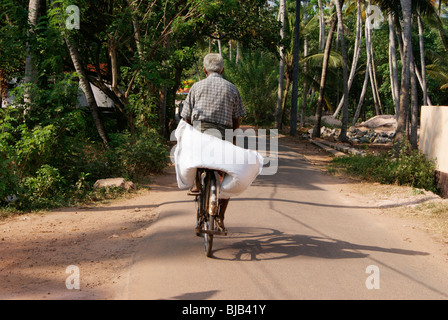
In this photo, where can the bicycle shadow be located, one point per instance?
(259, 244)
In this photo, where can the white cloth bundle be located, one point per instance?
(200, 150)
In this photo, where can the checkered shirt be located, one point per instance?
(214, 100)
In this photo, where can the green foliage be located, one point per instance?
(256, 77)
(57, 164)
(41, 190)
(132, 156)
(409, 167)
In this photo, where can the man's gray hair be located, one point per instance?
(213, 62)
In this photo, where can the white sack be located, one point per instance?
(200, 150)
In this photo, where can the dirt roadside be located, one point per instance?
(36, 249)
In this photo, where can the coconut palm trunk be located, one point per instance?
(343, 134)
(281, 75)
(393, 66)
(323, 79)
(422, 59)
(356, 52)
(34, 11)
(295, 81)
(400, 134)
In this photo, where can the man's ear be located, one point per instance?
(205, 71)
(222, 71)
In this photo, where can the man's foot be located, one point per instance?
(194, 191)
(220, 225)
(198, 229)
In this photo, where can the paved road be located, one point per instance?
(292, 236)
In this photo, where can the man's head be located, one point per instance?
(213, 62)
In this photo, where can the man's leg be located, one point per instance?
(194, 190)
(223, 203)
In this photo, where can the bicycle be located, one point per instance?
(207, 207)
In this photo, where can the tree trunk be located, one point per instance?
(114, 66)
(87, 89)
(34, 11)
(372, 76)
(230, 50)
(281, 75)
(237, 59)
(357, 50)
(321, 26)
(285, 95)
(393, 66)
(85, 85)
(413, 139)
(323, 79)
(343, 134)
(295, 81)
(305, 84)
(422, 58)
(400, 134)
(136, 26)
(363, 95)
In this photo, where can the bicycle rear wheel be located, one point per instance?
(208, 238)
(211, 198)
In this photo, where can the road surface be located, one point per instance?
(292, 236)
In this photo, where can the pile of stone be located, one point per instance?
(370, 136)
(377, 130)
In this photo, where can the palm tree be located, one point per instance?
(343, 134)
(295, 83)
(321, 26)
(393, 65)
(403, 9)
(406, 6)
(282, 19)
(422, 58)
(323, 78)
(439, 70)
(35, 8)
(356, 53)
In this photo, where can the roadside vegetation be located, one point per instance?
(57, 161)
(407, 168)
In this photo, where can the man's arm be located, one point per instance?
(188, 107)
(236, 123)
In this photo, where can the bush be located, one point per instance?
(42, 190)
(138, 155)
(410, 168)
(45, 166)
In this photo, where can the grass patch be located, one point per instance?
(409, 168)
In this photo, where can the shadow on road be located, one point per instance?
(258, 244)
